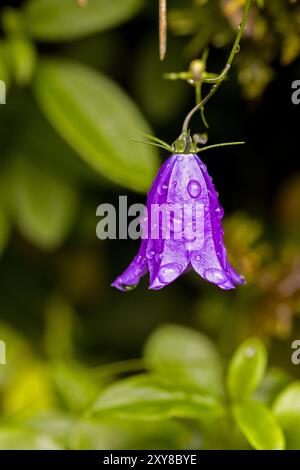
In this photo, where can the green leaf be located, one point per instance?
(23, 59)
(246, 369)
(4, 65)
(272, 384)
(259, 426)
(185, 356)
(24, 439)
(98, 120)
(55, 20)
(147, 398)
(287, 411)
(73, 385)
(44, 206)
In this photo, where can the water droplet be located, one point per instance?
(215, 275)
(128, 287)
(158, 257)
(162, 189)
(194, 188)
(200, 138)
(180, 159)
(250, 352)
(169, 272)
(197, 258)
(219, 212)
(206, 209)
(238, 49)
(150, 254)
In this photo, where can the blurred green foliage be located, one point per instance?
(80, 81)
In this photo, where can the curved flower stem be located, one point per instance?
(219, 80)
(162, 28)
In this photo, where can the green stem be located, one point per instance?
(225, 70)
(224, 144)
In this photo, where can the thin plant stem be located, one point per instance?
(223, 75)
(162, 28)
(224, 144)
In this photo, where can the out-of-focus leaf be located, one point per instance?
(23, 439)
(17, 348)
(22, 58)
(44, 206)
(98, 120)
(246, 369)
(186, 357)
(93, 434)
(4, 67)
(287, 411)
(259, 426)
(4, 229)
(29, 390)
(33, 134)
(147, 398)
(73, 385)
(55, 20)
(273, 383)
(55, 423)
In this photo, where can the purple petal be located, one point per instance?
(173, 258)
(211, 261)
(130, 278)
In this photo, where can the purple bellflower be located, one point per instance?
(183, 180)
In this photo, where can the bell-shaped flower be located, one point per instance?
(182, 229)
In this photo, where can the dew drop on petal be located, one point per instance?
(169, 272)
(158, 257)
(194, 188)
(197, 258)
(215, 276)
(162, 189)
(219, 212)
(150, 254)
(127, 287)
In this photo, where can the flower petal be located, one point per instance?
(173, 258)
(130, 278)
(211, 261)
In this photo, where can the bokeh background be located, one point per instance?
(68, 334)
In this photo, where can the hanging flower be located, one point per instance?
(194, 232)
